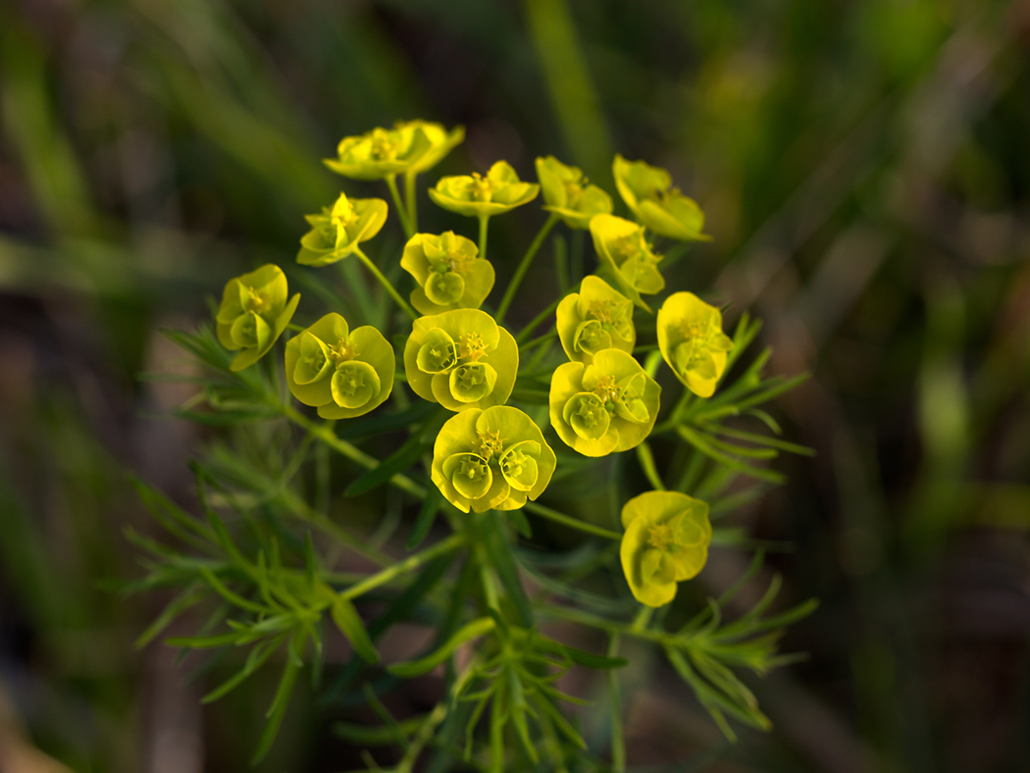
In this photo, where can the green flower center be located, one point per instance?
(481, 188)
(341, 352)
(471, 347)
(661, 536)
(252, 300)
(490, 443)
(588, 416)
(606, 389)
(602, 310)
(384, 147)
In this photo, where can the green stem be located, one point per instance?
(520, 272)
(674, 417)
(327, 436)
(572, 615)
(528, 329)
(295, 328)
(412, 198)
(483, 220)
(409, 564)
(567, 520)
(402, 213)
(646, 459)
(385, 283)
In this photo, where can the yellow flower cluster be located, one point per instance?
(491, 456)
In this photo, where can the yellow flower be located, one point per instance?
(344, 373)
(499, 191)
(566, 193)
(691, 340)
(461, 359)
(254, 313)
(337, 232)
(491, 460)
(609, 405)
(627, 257)
(666, 541)
(597, 317)
(449, 272)
(648, 193)
(441, 142)
(381, 153)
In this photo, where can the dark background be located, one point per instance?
(865, 170)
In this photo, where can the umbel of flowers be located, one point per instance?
(491, 460)
(461, 359)
(491, 456)
(342, 372)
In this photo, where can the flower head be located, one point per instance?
(648, 192)
(491, 459)
(597, 317)
(253, 314)
(474, 195)
(461, 359)
(666, 541)
(337, 232)
(343, 372)
(449, 272)
(608, 405)
(691, 340)
(626, 257)
(567, 193)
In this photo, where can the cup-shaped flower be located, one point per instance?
(691, 340)
(627, 257)
(474, 195)
(665, 542)
(461, 359)
(337, 232)
(609, 405)
(648, 192)
(253, 314)
(567, 193)
(380, 153)
(343, 372)
(449, 273)
(441, 142)
(491, 459)
(597, 317)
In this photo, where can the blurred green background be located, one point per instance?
(865, 170)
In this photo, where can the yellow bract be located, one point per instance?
(567, 193)
(491, 459)
(461, 359)
(648, 193)
(253, 314)
(409, 148)
(691, 340)
(666, 541)
(344, 373)
(627, 257)
(337, 232)
(449, 272)
(474, 195)
(597, 317)
(609, 405)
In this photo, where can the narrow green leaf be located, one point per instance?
(425, 664)
(499, 557)
(364, 735)
(206, 642)
(257, 657)
(426, 516)
(276, 711)
(701, 444)
(350, 624)
(180, 603)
